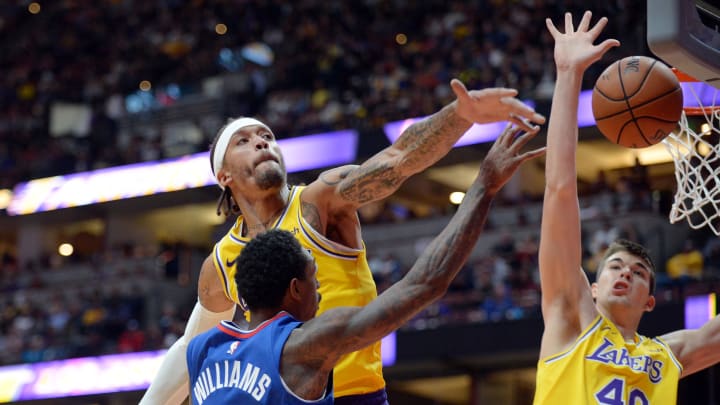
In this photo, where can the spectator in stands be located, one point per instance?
(603, 237)
(711, 256)
(132, 338)
(386, 270)
(527, 249)
(34, 350)
(344, 46)
(483, 279)
(686, 265)
(505, 246)
(499, 305)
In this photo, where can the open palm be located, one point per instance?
(492, 105)
(574, 49)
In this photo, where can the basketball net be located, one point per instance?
(696, 152)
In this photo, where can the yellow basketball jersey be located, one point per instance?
(601, 368)
(345, 280)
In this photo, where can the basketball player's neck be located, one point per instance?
(260, 212)
(626, 322)
(258, 316)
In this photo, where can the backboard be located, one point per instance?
(686, 35)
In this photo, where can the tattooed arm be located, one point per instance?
(419, 146)
(314, 348)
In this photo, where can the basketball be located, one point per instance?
(637, 101)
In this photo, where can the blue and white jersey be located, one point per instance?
(228, 365)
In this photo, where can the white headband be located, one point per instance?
(224, 139)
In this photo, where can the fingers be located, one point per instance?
(551, 28)
(607, 44)
(568, 23)
(584, 25)
(532, 154)
(506, 136)
(599, 26)
(517, 134)
(462, 93)
(499, 102)
(522, 123)
(497, 92)
(585, 22)
(459, 89)
(523, 137)
(521, 110)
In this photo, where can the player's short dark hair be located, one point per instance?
(636, 249)
(266, 266)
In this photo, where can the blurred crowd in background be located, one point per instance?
(117, 300)
(303, 67)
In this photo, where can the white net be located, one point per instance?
(696, 152)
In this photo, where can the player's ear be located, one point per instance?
(224, 177)
(594, 290)
(650, 304)
(294, 289)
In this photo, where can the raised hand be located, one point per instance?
(492, 105)
(574, 49)
(505, 157)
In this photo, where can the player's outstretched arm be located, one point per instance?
(171, 383)
(696, 349)
(343, 330)
(566, 298)
(418, 147)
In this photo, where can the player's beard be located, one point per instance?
(270, 179)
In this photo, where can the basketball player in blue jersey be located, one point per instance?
(286, 356)
(591, 352)
(248, 165)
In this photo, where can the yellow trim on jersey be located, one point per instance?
(345, 280)
(588, 330)
(672, 354)
(323, 244)
(602, 368)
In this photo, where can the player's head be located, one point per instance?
(245, 157)
(275, 272)
(626, 275)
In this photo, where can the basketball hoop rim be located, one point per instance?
(700, 111)
(693, 111)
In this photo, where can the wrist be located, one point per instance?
(455, 112)
(487, 188)
(570, 76)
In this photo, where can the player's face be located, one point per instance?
(624, 281)
(310, 297)
(253, 159)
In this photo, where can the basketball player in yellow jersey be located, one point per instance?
(249, 166)
(591, 352)
(347, 283)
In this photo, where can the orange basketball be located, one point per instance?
(637, 101)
